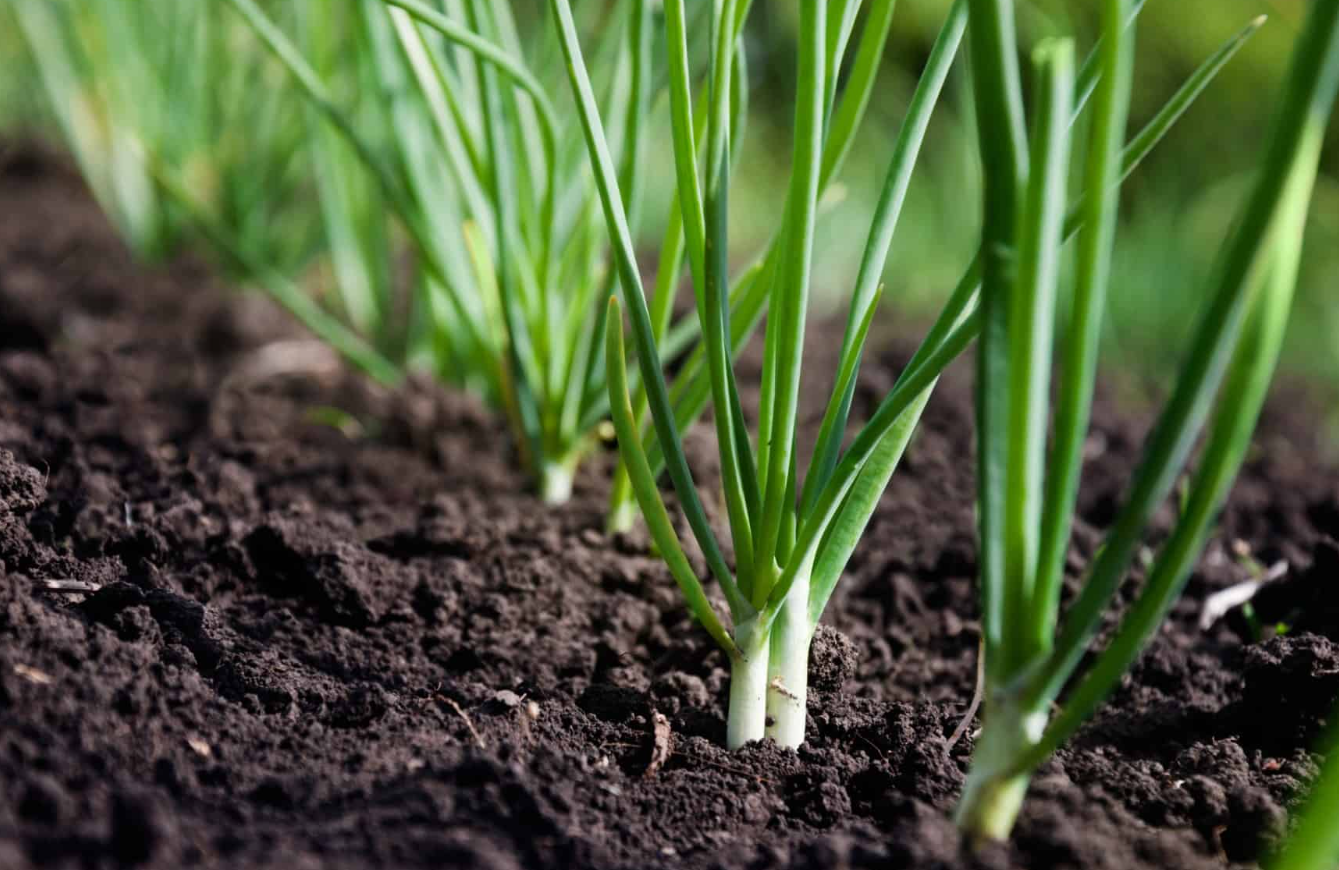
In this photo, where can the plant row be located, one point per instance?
(511, 163)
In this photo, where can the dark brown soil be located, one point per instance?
(233, 635)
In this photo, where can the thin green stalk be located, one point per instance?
(644, 485)
(1083, 336)
(634, 296)
(315, 91)
(691, 390)
(1093, 66)
(908, 389)
(1236, 344)
(865, 297)
(1000, 126)
(1309, 94)
(845, 119)
(715, 304)
(1246, 383)
(1016, 375)
(791, 291)
(524, 366)
(1030, 321)
(796, 620)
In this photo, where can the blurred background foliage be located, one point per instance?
(1175, 209)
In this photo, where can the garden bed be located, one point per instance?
(257, 613)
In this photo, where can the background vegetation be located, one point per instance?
(1175, 210)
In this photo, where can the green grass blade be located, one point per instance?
(839, 539)
(672, 251)
(528, 142)
(1161, 124)
(747, 312)
(662, 414)
(767, 386)
(516, 72)
(494, 60)
(833, 428)
(692, 389)
(466, 168)
(359, 248)
(791, 290)
(631, 178)
(739, 101)
(591, 411)
(1307, 101)
(121, 188)
(630, 175)
(1030, 324)
(1083, 335)
(864, 300)
(644, 485)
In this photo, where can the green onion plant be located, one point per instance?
(484, 173)
(749, 291)
(1026, 493)
(790, 539)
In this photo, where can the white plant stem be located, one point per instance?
(747, 718)
(622, 517)
(555, 481)
(788, 668)
(993, 795)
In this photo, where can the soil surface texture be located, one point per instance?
(257, 613)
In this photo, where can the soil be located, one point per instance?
(257, 613)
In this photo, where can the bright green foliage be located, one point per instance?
(183, 127)
(125, 79)
(437, 125)
(749, 292)
(1026, 494)
(790, 544)
(773, 606)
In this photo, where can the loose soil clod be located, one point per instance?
(244, 674)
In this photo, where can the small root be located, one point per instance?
(777, 686)
(977, 694)
(464, 716)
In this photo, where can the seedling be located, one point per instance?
(1026, 497)
(790, 542)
